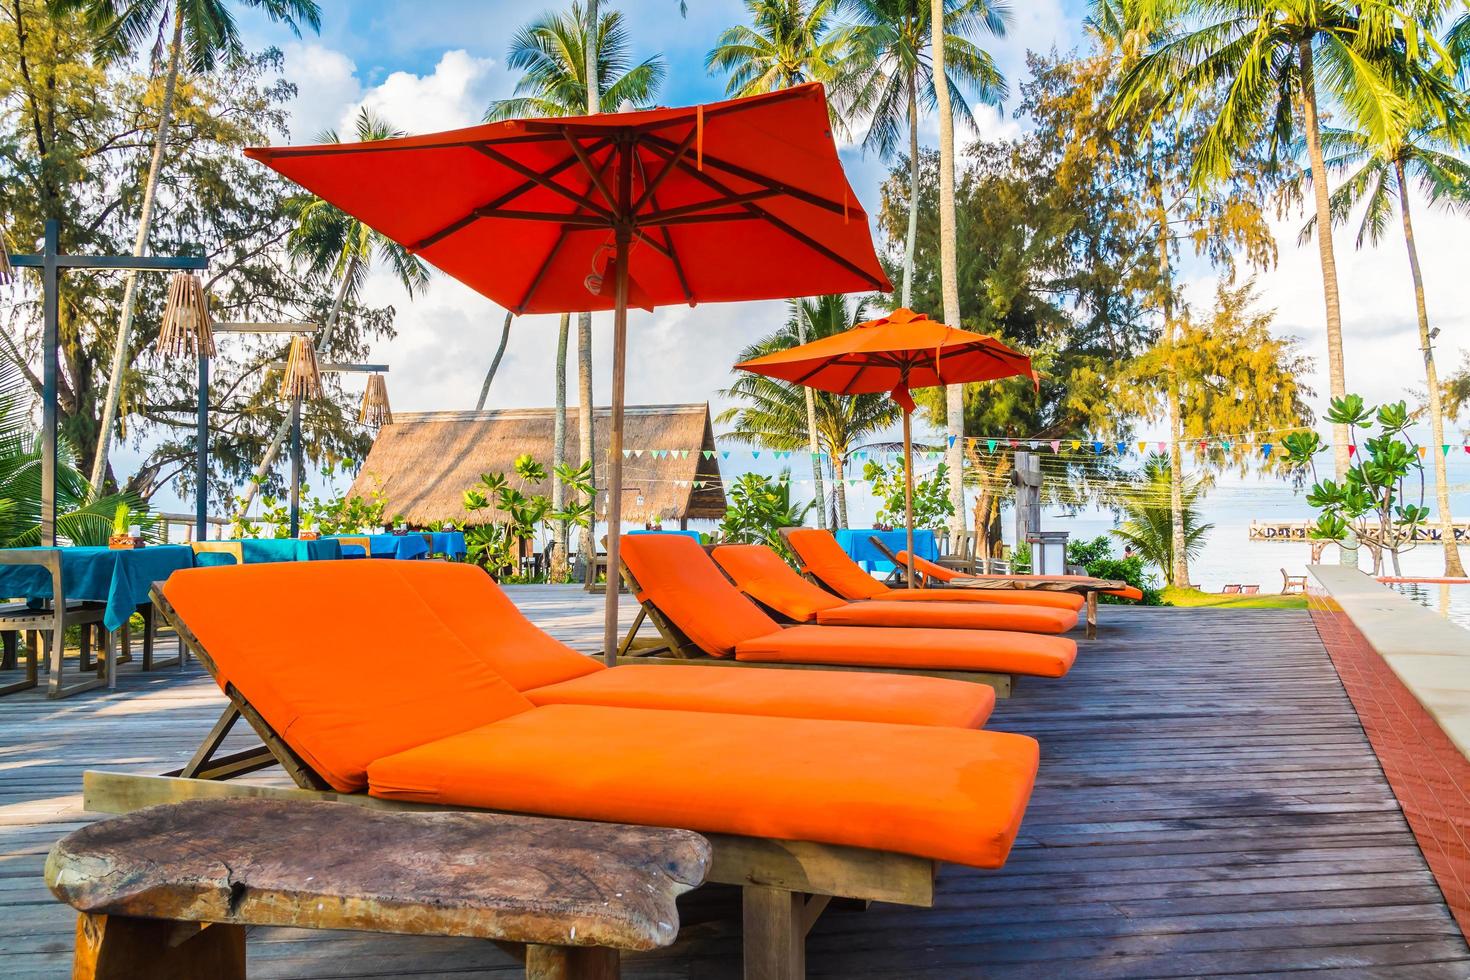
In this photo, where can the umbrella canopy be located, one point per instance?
(737, 200)
(895, 353)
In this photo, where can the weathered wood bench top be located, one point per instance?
(328, 866)
(998, 582)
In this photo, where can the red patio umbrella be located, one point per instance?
(738, 200)
(895, 353)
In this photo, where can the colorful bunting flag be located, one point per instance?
(990, 445)
(1056, 445)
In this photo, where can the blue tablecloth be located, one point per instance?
(855, 541)
(401, 546)
(449, 543)
(687, 534)
(121, 578)
(259, 551)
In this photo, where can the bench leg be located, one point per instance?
(114, 947)
(571, 963)
(775, 933)
(1092, 615)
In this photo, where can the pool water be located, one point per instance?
(1450, 601)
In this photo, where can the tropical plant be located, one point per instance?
(519, 514)
(556, 61)
(1148, 516)
(758, 508)
(1096, 557)
(1269, 64)
(932, 506)
(201, 33)
(332, 245)
(773, 414)
(1379, 176)
(786, 43)
(1374, 502)
(890, 79)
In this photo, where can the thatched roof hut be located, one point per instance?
(423, 462)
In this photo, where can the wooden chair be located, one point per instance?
(964, 559)
(1292, 584)
(232, 548)
(50, 621)
(366, 544)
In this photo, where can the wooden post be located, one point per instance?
(296, 464)
(201, 459)
(115, 947)
(1026, 475)
(50, 351)
(623, 236)
(774, 932)
(571, 963)
(908, 492)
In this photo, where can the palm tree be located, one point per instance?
(891, 80)
(786, 43)
(555, 62)
(1148, 526)
(1265, 62)
(774, 413)
(334, 246)
(1380, 175)
(954, 395)
(203, 33)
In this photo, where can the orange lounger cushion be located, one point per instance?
(900, 699)
(762, 575)
(950, 615)
(344, 660)
(939, 793)
(920, 649)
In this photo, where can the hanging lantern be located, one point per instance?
(187, 326)
(375, 411)
(303, 377)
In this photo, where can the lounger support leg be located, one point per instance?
(1092, 615)
(114, 947)
(571, 963)
(775, 933)
(627, 643)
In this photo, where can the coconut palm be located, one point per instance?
(774, 413)
(555, 62)
(1266, 62)
(890, 80)
(1149, 518)
(333, 246)
(201, 34)
(786, 43)
(1379, 176)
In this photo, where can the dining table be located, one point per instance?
(259, 551)
(858, 544)
(118, 577)
(407, 546)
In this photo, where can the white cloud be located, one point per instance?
(327, 86)
(455, 94)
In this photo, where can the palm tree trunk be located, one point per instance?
(278, 438)
(1177, 573)
(811, 431)
(839, 487)
(954, 395)
(559, 449)
(1452, 565)
(594, 83)
(1336, 376)
(911, 242)
(585, 412)
(495, 362)
(140, 247)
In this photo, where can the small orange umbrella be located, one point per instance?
(895, 353)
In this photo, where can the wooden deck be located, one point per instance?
(1208, 806)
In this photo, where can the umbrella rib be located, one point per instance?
(648, 195)
(586, 161)
(735, 170)
(704, 207)
(389, 146)
(796, 233)
(546, 182)
(541, 272)
(649, 189)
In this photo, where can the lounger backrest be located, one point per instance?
(924, 566)
(479, 612)
(675, 574)
(764, 576)
(345, 660)
(822, 557)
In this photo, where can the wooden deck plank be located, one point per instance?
(1207, 806)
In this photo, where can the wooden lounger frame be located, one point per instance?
(676, 648)
(785, 885)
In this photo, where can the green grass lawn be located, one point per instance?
(1195, 598)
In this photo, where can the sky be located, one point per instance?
(427, 65)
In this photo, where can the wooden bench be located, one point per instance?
(166, 893)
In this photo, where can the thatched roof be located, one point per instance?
(423, 462)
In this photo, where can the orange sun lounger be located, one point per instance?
(365, 689)
(764, 576)
(699, 613)
(824, 560)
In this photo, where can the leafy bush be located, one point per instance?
(932, 506)
(496, 544)
(758, 508)
(1097, 557)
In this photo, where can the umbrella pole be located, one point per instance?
(615, 456)
(908, 493)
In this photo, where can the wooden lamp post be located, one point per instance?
(51, 263)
